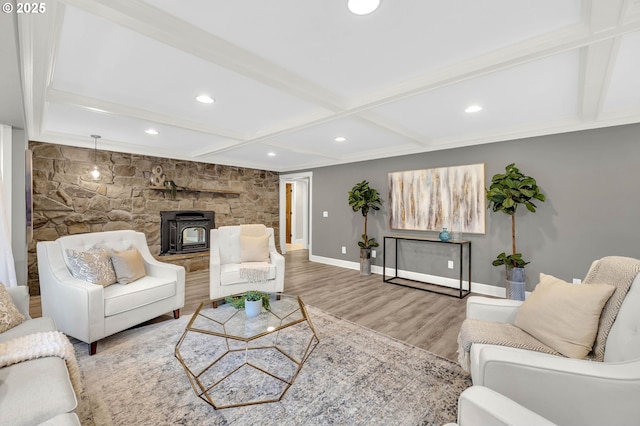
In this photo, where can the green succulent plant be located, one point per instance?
(252, 296)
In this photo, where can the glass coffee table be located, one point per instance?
(232, 360)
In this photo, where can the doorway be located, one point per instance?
(295, 208)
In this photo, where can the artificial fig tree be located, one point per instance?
(362, 198)
(508, 191)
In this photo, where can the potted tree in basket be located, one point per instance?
(362, 198)
(507, 191)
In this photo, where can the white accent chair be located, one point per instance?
(224, 265)
(563, 390)
(481, 406)
(90, 312)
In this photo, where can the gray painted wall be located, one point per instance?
(592, 210)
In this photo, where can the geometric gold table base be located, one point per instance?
(234, 361)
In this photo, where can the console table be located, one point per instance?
(394, 279)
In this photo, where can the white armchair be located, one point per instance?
(224, 265)
(563, 390)
(90, 312)
(481, 406)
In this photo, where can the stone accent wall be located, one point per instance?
(66, 200)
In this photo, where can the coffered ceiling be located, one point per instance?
(289, 76)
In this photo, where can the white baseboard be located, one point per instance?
(477, 288)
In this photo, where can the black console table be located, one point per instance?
(394, 279)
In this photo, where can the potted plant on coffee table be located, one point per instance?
(252, 301)
(508, 191)
(362, 198)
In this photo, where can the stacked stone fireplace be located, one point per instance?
(186, 231)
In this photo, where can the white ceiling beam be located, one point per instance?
(65, 98)
(549, 44)
(595, 70)
(597, 59)
(38, 36)
(152, 22)
(604, 14)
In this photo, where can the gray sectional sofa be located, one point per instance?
(39, 391)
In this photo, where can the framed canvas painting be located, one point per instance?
(443, 197)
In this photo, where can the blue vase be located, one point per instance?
(444, 235)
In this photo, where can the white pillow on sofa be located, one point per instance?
(254, 249)
(128, 265)
(564, 316)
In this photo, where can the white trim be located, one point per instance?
(6, 171)
(307, 219)
(478, 288)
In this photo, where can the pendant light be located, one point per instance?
(95, 173)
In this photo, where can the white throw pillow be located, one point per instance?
(128, 264)
(564, 316)
(254, 249)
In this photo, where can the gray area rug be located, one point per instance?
(355, 376)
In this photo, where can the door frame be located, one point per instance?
(299, 178)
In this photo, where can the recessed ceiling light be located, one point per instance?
(363, 7)
(473, 108)
(205, 99)
(151, 131)
(340, 139)
(271, 154)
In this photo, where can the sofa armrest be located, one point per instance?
(20, 297)
(495, 310)
(215, 262)
(481, 406)
(76, 306)
(278, 259)
(562, 389)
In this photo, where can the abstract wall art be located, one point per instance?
(430, 199)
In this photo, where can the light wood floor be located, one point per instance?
(427, 320)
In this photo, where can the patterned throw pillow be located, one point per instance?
(9, 314)
(93, 266)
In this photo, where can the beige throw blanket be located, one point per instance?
(614, 270)
(254, 272)
(39, 345)
(495, 333)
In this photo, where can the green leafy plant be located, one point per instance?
(362, 198)
(172, 188)
(252, 296)
(508, 191)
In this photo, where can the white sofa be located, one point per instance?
(224, 265)
(90, 312)
(38, 391)
(563, 390)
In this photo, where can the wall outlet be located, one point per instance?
(577, 281)
(450, 264)
(373, 253)
(325, 214)
(344, 250)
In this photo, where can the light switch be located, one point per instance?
(325, 214)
